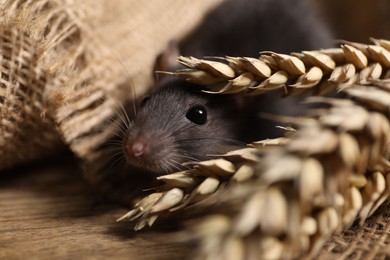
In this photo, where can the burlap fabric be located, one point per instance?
(65, 66)
(369, 241)
(73, 62)
(26, 132)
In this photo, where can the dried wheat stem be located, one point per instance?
(350, 64)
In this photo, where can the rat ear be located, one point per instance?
(167, 60)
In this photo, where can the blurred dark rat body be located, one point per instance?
(247, 27)
(178, 123)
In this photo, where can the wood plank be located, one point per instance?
(48, 212)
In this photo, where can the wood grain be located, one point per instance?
(49, 212)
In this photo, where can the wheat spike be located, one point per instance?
(296, 191)
(350, 64)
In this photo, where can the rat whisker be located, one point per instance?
(179, 166)
(181, 154)
(190, 158)
(123, 118)
(174, 160)
(182, 129)
(163, 168)
(117, 112)
(174, 164)
(115, 142)
(114, 147)
(126, 166)
(119, 131)
(126, 115)
(118, 152)
(116, 161)
(118, 135)
(178, 131)
(120, 127)
(233, 141)
(114, 155)
(109, 149)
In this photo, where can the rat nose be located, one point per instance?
(137, 149)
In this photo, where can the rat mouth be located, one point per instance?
(157, 157)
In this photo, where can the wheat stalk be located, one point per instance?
(352, 63)
(294, 192)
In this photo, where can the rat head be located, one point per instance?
(178, 124)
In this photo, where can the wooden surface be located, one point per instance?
(48, 212)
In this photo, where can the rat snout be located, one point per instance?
(149, 150)
(137, 147)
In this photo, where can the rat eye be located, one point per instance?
(197, 115)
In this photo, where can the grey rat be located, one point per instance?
(178, 123)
